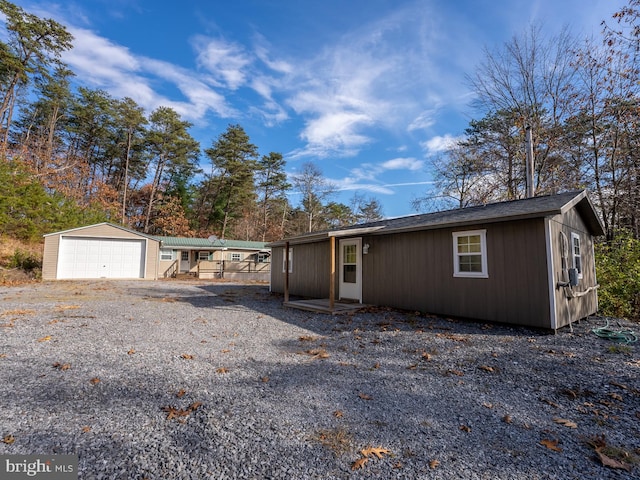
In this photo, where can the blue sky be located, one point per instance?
(368, 90)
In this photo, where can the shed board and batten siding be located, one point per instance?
(310, 275)
(571, 309)
(101, 231)
(414, 271)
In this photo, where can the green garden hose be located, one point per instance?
(622, 335)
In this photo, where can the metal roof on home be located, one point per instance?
(493, 212)
(205, 244)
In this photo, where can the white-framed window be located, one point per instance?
(203, 255)
(236, 257)
(262, 257)
(167, 254)
(576, 253)
(290, 260)
(184, 256)
(470, 254)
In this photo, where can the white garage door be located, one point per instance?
(100, 258)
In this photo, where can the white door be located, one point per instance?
(185, 264)
(100, 258)
(351, 269)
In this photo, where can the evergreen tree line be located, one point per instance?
(91, 156)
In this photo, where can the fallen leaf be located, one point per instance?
(8, 439)
(565, 422)
(45, 339)
(194, 406)
(359, 463)
(131, 352)
(364, 396)
(465, 428)
(306, 338)
(426, 356)
(3, 355)
(456, 372)
(487, 405)
(226, 350)
(377, 365)
(318, 353)
(619, 385)
(612, 462)
(507, 419)
(181, 393)
(221, 370)
(264, 379)
(551, 444)
(62, 366)
(615, 396)
(486, 368)
(434, 464)
(412, 367)
(377, 451)
(186, 356)
(86, 429)
(549, 402)
(397, 466)
(95, 380)
(338, 414)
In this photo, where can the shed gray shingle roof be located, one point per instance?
(493, 212)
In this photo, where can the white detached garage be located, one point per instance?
(103, 250)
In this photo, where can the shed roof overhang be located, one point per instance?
(315, 237)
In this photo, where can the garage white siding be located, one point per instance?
(82, 257)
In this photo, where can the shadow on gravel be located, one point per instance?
(259, 299)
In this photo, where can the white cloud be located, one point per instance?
(440, 143)
(423, 121)
(111, 67)
(403, 164)
(227, 62)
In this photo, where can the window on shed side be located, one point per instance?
(284, 263)
(576, 253)
(470, 254)
(236, 257)
(203, 255)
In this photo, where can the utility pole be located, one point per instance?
(529, 160)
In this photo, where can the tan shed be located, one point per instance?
(526, 262)
(103, 250)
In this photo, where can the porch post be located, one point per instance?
(286, 272)
(332, 272)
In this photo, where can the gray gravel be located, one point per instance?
(258, 391)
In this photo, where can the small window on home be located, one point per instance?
(203, 256)
(576, 253)
(236, 257)
(290, 260)
(184, 256)
(166, 254)
(262, 258)
(470, 254)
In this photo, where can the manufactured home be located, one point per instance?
(526, 262)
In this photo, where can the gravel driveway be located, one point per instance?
(199, 380)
